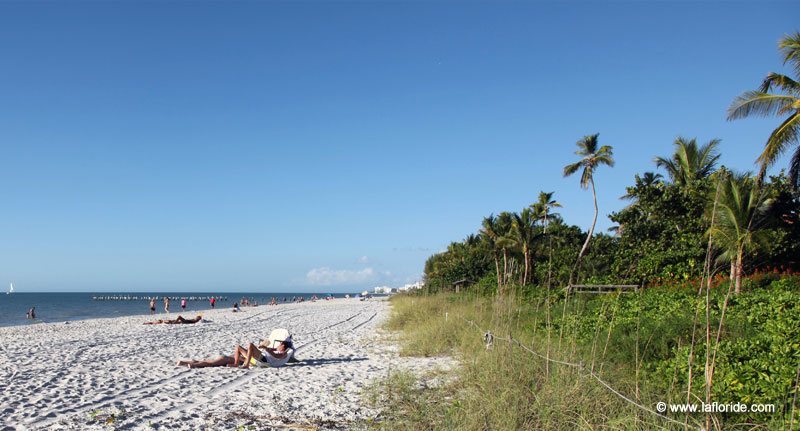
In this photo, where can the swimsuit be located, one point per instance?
(269, 361)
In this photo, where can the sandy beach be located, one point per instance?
(76, 375)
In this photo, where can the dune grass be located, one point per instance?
(504, 387)
(639, 343)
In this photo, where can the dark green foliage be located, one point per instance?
(468, 260)
(782, 250)
(758, 354)
(662, 232)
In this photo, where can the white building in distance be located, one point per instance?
(410, 287)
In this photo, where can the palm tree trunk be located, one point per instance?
(497, 270)
(505, 265)
(739, 264)
(577, 266)
(527, 265)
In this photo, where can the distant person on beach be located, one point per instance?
(183, 304)
(236, 308)
(213, 302)
(152, 306)
(257, 356)
(178, 321)
(166, 304)
(31, 313)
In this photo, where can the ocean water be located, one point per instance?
(62, 307)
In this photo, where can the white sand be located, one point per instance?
(76, 375)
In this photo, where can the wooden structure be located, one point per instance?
(457, 285)
(603, 288)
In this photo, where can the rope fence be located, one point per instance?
(489, 339)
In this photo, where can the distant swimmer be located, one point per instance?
(153, 306)
(183, 304)
(31, 313)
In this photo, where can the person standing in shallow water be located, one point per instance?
(213, 301)
(152, 306)
(166, 304)
(183, 304)
(32, 313)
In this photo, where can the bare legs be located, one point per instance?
(219, 361)
(251, 352)
(241, 357)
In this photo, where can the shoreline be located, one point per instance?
(76, 375)
(77, 306)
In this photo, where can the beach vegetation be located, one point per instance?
(638, 343)
(713, 254)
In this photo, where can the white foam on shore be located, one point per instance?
(58, 376)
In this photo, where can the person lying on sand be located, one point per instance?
(179, 320)
(257, 356)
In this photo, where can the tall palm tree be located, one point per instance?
(690, 163)
(491, 233)
(740, 215)
(524, 226)
(592, 156)
(779, 95)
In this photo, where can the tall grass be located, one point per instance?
(505, 387)
(640, 343)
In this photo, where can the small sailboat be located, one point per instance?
(10, 289)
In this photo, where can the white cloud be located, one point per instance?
(363, 259)
(331, 277)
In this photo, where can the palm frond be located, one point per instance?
(572, 168)
(794, 169)
(781, 82)
(587, 145)
(790, 48)
(779, 140)
(605, 159)
(670, 166)
(707, 157)
(586, 177)
(758, 103)
(650, 178)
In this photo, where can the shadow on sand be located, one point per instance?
(325, 361)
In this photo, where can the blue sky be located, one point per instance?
(334, 146)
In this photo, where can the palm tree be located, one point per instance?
(591, 158)
(526, 235)
(690, 163)
(648, 179)
(506, 239)
(779, 95)
(740, 213)
(490, 233)
(542, 207)
(541, 210)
